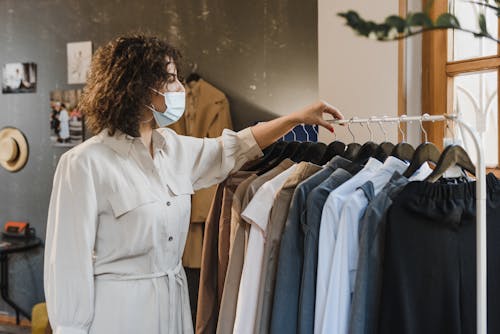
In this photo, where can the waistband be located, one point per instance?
(440, 191)
(143, 276)
(175, 283)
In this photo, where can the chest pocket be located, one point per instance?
(179, 185)
(180, 190)
(124, 202)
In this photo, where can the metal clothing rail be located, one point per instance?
(481, 248)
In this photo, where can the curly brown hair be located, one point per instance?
(121, 75)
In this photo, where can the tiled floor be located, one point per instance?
(4, 329)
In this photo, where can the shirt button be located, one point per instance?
(168, 203)
(170, 238)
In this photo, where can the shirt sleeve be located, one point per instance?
(209, 161)
(69, 244)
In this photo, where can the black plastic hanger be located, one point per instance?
(193, 77)
(315, 153)
(385, 148)
(426, 152)
(352, 149)
(383, 151)
(453, 155)
(270, 153)
(333, 149)
(299, 154)
(403, 151)
(365, 152)
(289, 151)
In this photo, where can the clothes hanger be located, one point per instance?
(353, 148)
(426, 152)
(193, 76)
(301, 151)
(403, 151)
(315, 153)
(385, 148)
(289, 151)
(367, 150)
(270, 153)
(453, 155)
(333, 149)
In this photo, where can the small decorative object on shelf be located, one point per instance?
(18, 230)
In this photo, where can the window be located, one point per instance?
(460, 74)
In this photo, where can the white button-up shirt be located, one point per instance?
(345, 257)
(117, 226)
(330, 220)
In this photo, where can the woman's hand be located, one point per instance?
(268, 132)
(313, 114)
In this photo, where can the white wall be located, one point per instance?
(414, 78)
(357, 75)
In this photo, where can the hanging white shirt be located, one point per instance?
(330, 219)
(345, 257)
(117, 226)
(257, 214)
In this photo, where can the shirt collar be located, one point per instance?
(372, 164)
(338, 162)
(122, 143)
(393, 164)
(303, 170)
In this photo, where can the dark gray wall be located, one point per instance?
(262, 53)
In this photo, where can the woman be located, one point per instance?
(120, 204)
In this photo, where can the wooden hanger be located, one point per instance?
(453, 155)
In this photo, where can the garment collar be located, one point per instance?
(304, 170)
(338, 162)
(122, 143)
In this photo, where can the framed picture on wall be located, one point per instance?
(66, 121)
(79, 58)
(19, 78)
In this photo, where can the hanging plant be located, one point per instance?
(396, 27)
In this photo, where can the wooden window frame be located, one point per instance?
(438, 74)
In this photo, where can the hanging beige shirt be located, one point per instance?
(207, 115)
(117, 226)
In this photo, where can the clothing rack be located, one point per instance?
(481, 268)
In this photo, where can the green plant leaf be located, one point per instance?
(352, 18)
(420, 20)
(447, 20)
(397, 22)
(482, 25)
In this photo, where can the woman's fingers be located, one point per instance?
(329, 109)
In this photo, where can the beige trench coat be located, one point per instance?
(117, 228)
(207, 115)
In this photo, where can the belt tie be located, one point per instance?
(173, 278)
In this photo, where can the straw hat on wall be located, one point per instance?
(13, 149)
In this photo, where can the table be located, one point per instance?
(9, 245)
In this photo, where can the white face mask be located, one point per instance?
(176, 104)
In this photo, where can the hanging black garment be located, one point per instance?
(429, 269)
